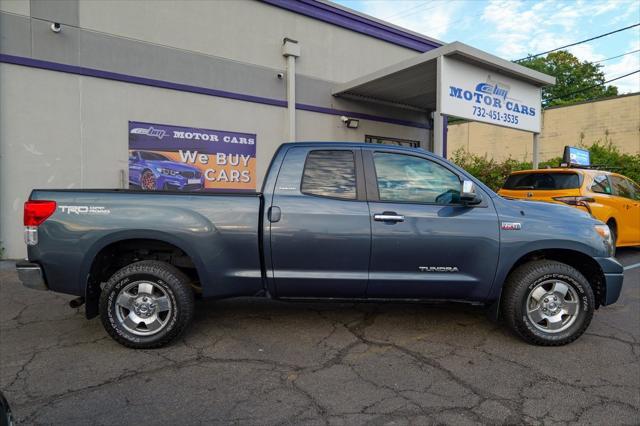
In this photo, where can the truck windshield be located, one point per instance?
(545, 181)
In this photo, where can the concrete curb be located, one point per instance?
(7, 265)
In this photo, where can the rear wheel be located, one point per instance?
(548, 303)
(146, 304)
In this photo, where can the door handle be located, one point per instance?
(388, 217)
(274, 214)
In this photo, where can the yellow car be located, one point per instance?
(612, 198)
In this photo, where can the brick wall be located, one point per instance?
(614, 119)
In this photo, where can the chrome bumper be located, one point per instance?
(31, 275)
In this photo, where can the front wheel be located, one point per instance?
(146, 304)
(548, 303)
(148, 181)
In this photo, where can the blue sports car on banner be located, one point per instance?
(152, 171)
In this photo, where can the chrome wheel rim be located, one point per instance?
(143, 308)
(552, 306)
(148, 181)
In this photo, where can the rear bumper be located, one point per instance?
(613, 277)
(31, 275)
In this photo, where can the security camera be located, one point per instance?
(56, 27)
(344, 118)
(280, 75)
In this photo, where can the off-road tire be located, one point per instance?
(178, 291)
(516, 292)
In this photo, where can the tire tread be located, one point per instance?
(522, 276)
(179, 283)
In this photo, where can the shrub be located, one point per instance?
(493, 173)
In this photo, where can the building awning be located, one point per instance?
(412, 83)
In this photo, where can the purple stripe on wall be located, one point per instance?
(92, 72)
(360, 24)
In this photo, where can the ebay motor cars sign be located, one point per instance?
(175, 158)
(470, 92)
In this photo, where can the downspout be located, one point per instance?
(291, 50)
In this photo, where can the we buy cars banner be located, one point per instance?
(176, 158)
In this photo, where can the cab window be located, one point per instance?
(409, 179)
(623, 187)
(601, 185)
(330, 173)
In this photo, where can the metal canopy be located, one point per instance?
(413, 83)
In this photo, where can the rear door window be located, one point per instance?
(330, 173)
(542, 181)
(623, 188)
(601, 185)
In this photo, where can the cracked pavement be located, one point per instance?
(255, 361)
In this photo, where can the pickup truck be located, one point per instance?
(334, 221)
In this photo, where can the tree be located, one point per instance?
(575, 81)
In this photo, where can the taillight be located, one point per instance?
(577, 201)
(574, 201)
(37, 211)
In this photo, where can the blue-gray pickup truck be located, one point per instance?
(334, 221)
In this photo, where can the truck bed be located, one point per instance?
(218, 231)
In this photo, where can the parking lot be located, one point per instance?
(249, 361)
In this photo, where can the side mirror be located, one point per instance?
(468, 195)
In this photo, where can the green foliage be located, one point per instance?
(493, 173)
(575, 81)
(609, 156)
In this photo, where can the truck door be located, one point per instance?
(320, 233)
(425, 244)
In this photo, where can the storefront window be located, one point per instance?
(382, 140)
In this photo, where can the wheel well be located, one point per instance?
(580, 261)
(121, 253)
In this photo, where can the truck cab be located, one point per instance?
(382, 222)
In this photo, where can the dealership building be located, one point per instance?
(90, 89)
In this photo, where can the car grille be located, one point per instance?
(192, 187)
(190, 175)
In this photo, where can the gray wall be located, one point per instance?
(61, 130)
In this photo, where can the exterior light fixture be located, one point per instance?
(351, 123)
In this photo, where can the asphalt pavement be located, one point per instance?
(254, 361)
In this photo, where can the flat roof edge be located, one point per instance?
(491, 61)
(344, 17)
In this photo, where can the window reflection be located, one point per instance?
(330, 173)
(404, 178)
